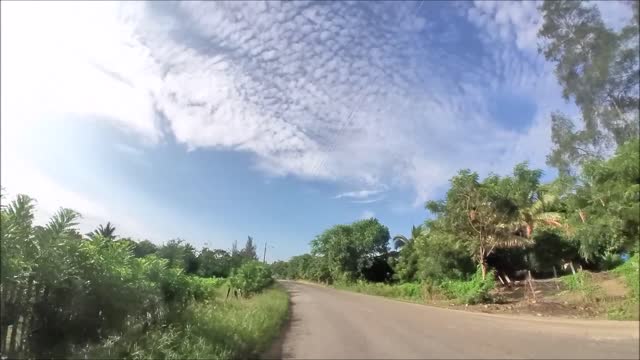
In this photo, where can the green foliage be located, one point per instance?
(630, 272)
(251, 278)
(81, 293)
(106, 232)
(440, 256)
(406, 266)
(576, 282)
(180, 254)
(597, 68)
(583, 284)
(219, 329)
(627, 310)
(407, 291)
(487, 215)
(214, 262)
(144, 248)
(607, 204)
(279, 269)
(472, 291)
(350, 249)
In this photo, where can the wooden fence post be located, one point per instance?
(555, 277)
(530, 278)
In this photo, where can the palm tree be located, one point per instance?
(400, 240)
(107, 232)
(538, 213)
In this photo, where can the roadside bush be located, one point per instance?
(577, 281)
(221, 329)
(251, 278)
(473, 291)
(78, 293)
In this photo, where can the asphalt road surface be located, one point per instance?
(327, 323)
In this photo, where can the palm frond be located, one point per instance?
(18, 216)
(62, 222)
(400, 241)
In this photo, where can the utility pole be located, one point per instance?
(264, 255)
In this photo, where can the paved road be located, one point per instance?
(327, 323)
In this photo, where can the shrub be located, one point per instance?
(576, 282)
(233, 329)
(473, 291)
(251, 278)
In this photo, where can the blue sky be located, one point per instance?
(213, 121)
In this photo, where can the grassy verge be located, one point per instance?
(583, 284)
(472, 291)
(630, 273)
(407, 291)
(216, 329)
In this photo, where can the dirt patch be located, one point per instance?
(550, 297)
(614, 288)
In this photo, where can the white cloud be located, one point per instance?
(369, 201)
(360, 194)
(313, 90)
(49, 56)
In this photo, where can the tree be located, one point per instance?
(406, 265)
(191, 263)
(535, 204)
(144, 248)
(400, 240)
(249, 250)
(180, 254)
(107, 232)
(214, 263)
(280, 269)
(480, 215)
(599, 69)
(349, 249)
(440, 255)
(606, 204)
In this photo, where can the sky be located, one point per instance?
(217, 120)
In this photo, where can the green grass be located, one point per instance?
(630, 272)
(406, 291)
(583, 284)
(626, 310)
(629, 309)
(214, 329)
(472, 291)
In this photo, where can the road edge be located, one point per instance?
(615, 324)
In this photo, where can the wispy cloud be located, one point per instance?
(368, 201)
(361, 93)
(360, 194)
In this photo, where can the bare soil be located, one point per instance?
(552, 299)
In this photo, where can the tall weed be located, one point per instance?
(473, 291)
